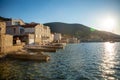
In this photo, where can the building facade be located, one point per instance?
(17, 22)
(11, 22)
(13, 26)
(42, 34)
(2, 28)
(15, 30)
(6, 40)
(57, 37)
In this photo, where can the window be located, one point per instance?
(21, 31)
(16, 23)
(14, 30)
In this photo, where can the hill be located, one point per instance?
(4, 19)
(81, 31)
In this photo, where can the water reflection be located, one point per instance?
(10, 71)
(91, 61)
(108, 61)
(19, 70)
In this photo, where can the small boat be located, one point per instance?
(53, 47)
(111, 41)
(59, 44)
(41, 49)
(29, 56)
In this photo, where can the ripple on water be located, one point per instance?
(84, 61)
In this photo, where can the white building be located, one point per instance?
(57, 37)
(12, 22)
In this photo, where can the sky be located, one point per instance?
(98, 14)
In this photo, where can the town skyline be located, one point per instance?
(91, 13)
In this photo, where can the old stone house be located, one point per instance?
(57, 37)
(11, 22)
(2, 28)
(6, 40)
(15, 30)
(33, 33)
(40, 34)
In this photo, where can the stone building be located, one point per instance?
(73, 40)
(13, 26)
(6, 40)
(45, 34)
(57, 37)
(31, 33)
(15, 30)
(17, 22)
(2, 28)
(12, 22)
(40, 34)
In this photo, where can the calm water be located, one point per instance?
(84, 61)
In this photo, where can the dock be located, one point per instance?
(27, 56)
(53, 47)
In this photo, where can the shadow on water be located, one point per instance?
(11, 69)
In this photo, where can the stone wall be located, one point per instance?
(12, 49)
(2, 28)
(6, 41)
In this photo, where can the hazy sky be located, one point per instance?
(91, 13)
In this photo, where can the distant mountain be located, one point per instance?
(81, 31)
(4, 19)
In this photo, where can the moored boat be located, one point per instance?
(24, 55)
(111, 41)
(53, 47)
(28, 56)
(41, 49)
(59, 44)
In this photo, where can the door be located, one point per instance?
(31, 41)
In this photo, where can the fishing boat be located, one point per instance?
(41, 49)
(111, 41)
(29, 56)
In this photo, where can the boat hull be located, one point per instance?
(36, 57)
(42, 49)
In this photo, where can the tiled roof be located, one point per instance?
(29, 25)
(25, 26)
